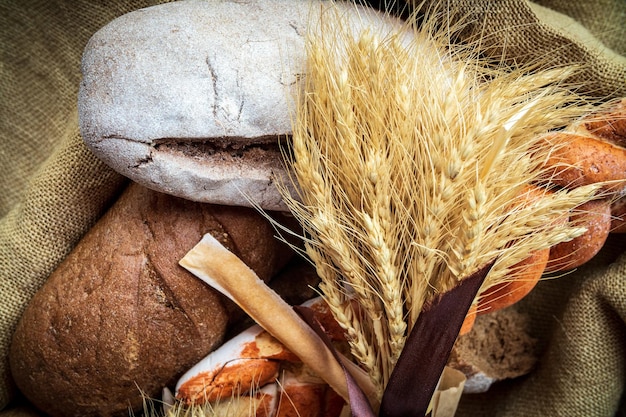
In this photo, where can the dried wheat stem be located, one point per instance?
(411, 154)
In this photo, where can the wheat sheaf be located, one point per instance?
(418, 166)
(412, 157)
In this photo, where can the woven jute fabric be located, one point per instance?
(52, 190)
(579, 320)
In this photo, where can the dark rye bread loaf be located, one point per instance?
(120, 315)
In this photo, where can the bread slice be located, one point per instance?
(498, 347)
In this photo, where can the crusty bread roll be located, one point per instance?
(119, 315)
(608, 125)
(192, 98)
(595, 216)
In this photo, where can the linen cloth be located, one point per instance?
(52, 189)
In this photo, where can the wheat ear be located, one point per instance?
(410, 155)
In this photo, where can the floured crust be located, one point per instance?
(201, 73)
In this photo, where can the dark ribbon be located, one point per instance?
(424, 356)
(426, 351)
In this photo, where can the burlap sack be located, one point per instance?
(53, 189)
(579, 320)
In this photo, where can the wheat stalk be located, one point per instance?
(409, 155)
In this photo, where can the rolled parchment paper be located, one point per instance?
(210, 261)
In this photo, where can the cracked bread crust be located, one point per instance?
(201, 170)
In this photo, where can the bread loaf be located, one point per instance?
(119, 315)
(595, 216)
(581, 160)
(223, 76)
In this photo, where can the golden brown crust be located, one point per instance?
(120, 313)
(522, 279)
(241, 376)
(618, 215)
(582, 160)
(595, 215)
(609, 125)
(302, 401)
